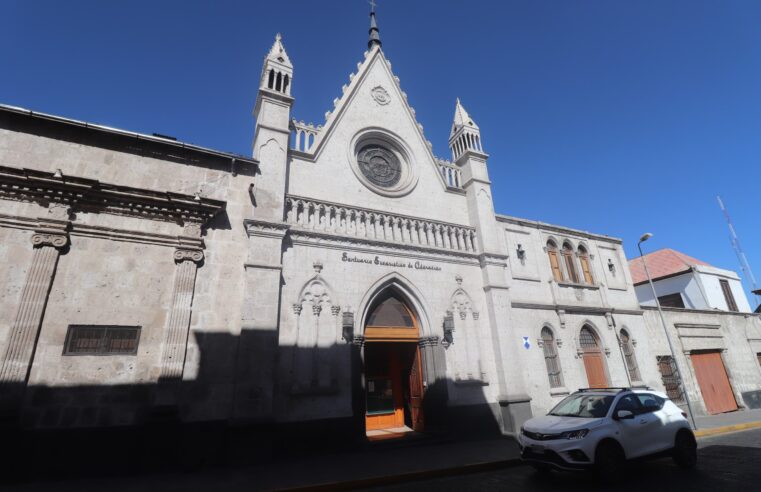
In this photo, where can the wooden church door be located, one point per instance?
(416, 393)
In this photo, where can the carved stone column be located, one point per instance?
(178, 324)
(50, 238)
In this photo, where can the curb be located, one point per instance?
(726, 429)
(406, 477)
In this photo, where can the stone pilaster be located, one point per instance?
(48, 242)
(178, 324)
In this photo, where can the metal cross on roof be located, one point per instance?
(372, 5)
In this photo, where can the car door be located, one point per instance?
(630, 430)
(654, 423)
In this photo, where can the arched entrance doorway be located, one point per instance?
(392, 367)
(593, 358)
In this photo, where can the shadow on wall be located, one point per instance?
(226, 416)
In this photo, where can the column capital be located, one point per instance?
(57, 241)
(194, 255)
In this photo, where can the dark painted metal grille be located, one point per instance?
(101, 340)
(670, 378)
(588, 340)
(551, 359)
(631, 359)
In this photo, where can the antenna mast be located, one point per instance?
(738, 250)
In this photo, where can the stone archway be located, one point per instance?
(393, 334)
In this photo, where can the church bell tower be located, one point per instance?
(273, 115)
(468, 154)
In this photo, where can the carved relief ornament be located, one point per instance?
(380, 95)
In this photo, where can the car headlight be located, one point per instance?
(577, 434)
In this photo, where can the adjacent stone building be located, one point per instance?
(143, 277)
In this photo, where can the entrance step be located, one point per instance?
(392, 433)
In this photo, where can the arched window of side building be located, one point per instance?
(570, 264)
(552, 253)
(551, 358)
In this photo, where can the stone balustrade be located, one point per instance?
(303, 135)
(451, 173)
(376, 225)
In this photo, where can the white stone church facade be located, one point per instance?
(140, 275)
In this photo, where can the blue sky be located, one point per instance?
(616, 117)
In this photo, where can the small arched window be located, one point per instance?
(552, 253)
(279, 83)
(586, 269)
(551, 358)
(570, 265)
(588, 340)
(629, 357)
(286, 81)
(271, 80)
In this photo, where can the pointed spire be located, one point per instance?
(374, 32)
(277, 71)
(277, 52)
(461, 119)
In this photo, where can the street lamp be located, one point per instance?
(642, 239)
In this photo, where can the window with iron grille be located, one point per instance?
(629, 357)
(670, 378)
(101, 340)
(588, 340)
(551, 358)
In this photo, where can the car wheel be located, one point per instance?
(685, 450)
(609, 460)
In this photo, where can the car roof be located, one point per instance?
(616, 391)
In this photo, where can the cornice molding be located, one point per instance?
(264, 228)
(93, 196)
(570, 309)
(100, 232)
(309, 237)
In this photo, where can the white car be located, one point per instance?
(602, 428)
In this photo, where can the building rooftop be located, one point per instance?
(159, 146)
(662, 263)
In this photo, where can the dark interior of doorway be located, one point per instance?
(390, 362)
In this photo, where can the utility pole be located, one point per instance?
(744, 265)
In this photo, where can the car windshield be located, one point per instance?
(583, 405)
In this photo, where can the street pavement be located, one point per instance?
(729, 462)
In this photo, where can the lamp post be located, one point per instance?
(642, 239)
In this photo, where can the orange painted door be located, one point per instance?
(416, 393)
(595, 368)
(714, 382)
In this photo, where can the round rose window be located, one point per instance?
(379, 165)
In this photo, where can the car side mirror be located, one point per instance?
(624, 415)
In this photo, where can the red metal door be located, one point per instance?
(714, 382)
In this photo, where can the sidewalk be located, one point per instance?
(709, 425)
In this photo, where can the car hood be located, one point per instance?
(550, 424)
